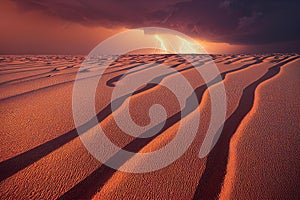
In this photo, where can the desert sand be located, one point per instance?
(256, 156)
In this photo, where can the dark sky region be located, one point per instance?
(76, 26)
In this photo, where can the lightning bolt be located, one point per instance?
(187, 46)
(161, 41)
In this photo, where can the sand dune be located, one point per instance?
(268, 142)
(43, 157)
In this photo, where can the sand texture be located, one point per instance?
(256, 156)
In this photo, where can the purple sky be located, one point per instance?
(76, 26)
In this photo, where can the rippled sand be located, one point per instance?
(256, 156)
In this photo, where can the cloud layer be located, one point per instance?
(232, 21)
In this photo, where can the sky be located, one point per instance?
(220, 26)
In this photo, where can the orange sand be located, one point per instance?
(43, 157)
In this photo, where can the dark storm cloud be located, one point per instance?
(232, 21)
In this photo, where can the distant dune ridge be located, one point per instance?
(256, 156)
